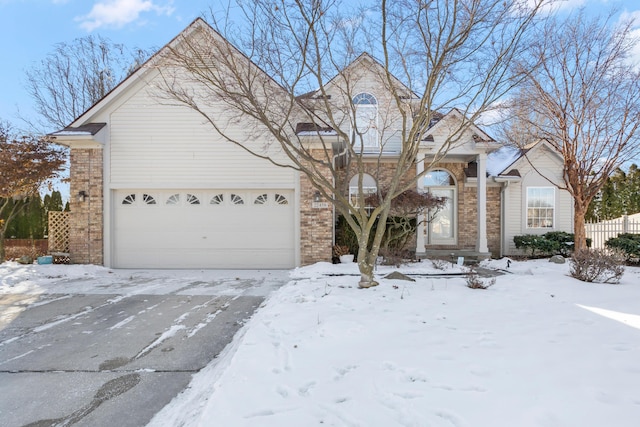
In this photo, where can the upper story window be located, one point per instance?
(541, 202)
(369, 186)
(366, 121)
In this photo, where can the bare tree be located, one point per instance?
(583, 97)
(27, 164)
(292, 71)
(76, 75)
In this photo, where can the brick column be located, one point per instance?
(316, 223)
(86, 217)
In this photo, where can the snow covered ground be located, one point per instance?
(536, 349)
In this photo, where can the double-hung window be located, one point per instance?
(540, 207)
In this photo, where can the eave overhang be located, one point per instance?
(92, 135)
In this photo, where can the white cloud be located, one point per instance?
(631, 16)
(570, 4)
(117, 13)
(634, 34)
(552, 6)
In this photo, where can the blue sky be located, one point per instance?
(30, 28)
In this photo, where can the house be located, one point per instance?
(154, 186)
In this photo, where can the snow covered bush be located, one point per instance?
(474, 281)
(597, 265)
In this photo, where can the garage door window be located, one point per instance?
(174, 199)
(281, 200)
(218, 199)
(261, 199)
(148, 199)
(192, 199)
(236, 199)
(129, 199)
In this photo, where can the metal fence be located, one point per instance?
(600, 232)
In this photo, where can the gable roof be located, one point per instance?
(511, 169)
(133, 77)
(89, 129)
(479, 135)
(363, 59)
(196, 25)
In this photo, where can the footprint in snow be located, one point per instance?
(341, 372)
(305, 390)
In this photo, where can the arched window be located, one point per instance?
(365, 131)
(369, 186)
(442, 228)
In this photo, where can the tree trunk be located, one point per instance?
(580, 235)
(366, 272)
(2, 252)
(365, 265)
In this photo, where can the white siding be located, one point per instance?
(364, 77)
(514, 219)
(165, 146)
(161, 147)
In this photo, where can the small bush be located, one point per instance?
(399, 232)
(628, 243)
(533, 243)
(476, 282)
(339, 250)
(597, 265)
(439, 264)
(397, 257)
(551, 243)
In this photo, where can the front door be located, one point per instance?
(442, 226)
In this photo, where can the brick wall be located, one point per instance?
(86, 218)
(316, 222)
(15, 248)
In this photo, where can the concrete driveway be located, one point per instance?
(118, 352)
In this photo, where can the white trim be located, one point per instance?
(362, 144)
(454, 211)
(482, 245)
(420, 232)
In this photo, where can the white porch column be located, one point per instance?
(481, 244)
(420, 248)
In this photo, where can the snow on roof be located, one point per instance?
(499, 160)
(317, 133)
(71, 133)
(84, 130)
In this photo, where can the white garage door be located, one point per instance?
(204, 229)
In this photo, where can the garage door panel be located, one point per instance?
(210, 258)
(172, 233)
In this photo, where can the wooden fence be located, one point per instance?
(58, 232)
(600, 232)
